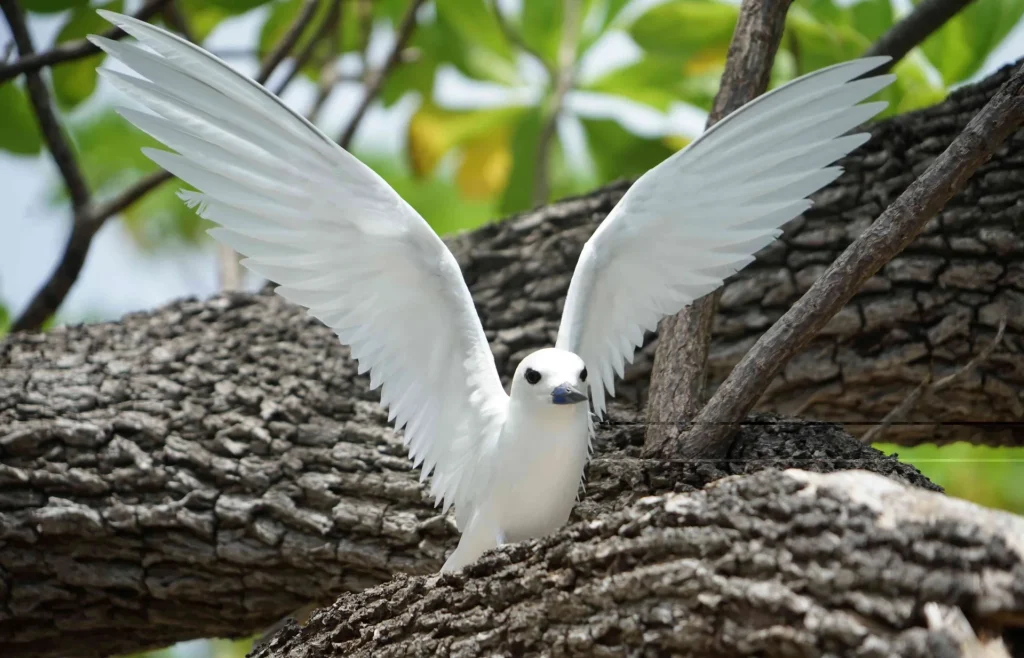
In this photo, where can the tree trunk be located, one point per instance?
(205, 468)
(775, 564)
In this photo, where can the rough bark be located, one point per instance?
(205, 469)
(775, 564)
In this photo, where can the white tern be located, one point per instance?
(339, 241)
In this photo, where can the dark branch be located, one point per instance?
(49, 124)
(925, 18)
(291, 37)
(886, 237)
(680, 363)
(304, 55)
(70, 50)
(376, 81)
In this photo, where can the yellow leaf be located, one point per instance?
(433, 132)
(676, 142)
(708, 60)
(486, 165)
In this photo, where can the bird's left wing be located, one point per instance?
(700, 215)
(341, 242)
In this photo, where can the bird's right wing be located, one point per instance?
(341, 242)
(702, 214)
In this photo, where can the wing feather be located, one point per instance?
(335, 237)
(701, 215)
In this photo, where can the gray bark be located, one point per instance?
(207, 467)
(774, 564)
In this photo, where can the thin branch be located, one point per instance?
(71, 50)
(87, 223)
(289, 40)
(680, 361)
(307, 52)
(911, 31)
(50, 126)
(329, 72)
(927, 387)
(373, 86)
(886, 237)
(561, 83)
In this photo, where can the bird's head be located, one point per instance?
(551, 376)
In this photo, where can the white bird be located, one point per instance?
(340, 242)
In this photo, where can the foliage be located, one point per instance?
(982, 474)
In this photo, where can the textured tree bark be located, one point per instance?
(208, 468)
(204, 468)
(775, 564)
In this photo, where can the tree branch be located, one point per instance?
(565, 73)
(680, 364)
(287, 43)
(374, 84)
(516, 39)
(71, 50)
(328, 72)
(50, 126)
(774, 565)
(911, 31)
(885, 238)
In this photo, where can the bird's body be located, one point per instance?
(340, 242)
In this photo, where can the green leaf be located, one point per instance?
(618, 153)
(960, 47)
(20, 133)
(519, 193)
(682, 28)
(467, 36)
(872, 17)
(5, 319)
(52, 6)
(74, 81)
(816, 45)
(541, 30)
(658, 80)
(237, 6)
(282, 16)
(202, 17)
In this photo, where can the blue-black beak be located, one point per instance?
(567, 394)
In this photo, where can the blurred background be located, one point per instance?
(470, 109)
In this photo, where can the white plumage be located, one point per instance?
(340, 242)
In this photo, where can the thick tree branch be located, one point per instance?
(911, 31)
(886, 237)
(773, 565)
(681, 360)
(377, 78)
(71, 50)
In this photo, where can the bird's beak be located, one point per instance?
(567, 394)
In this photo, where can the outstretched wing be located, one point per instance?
(339, 241)
(700, 215)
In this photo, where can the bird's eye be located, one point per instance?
(532, 376)
(583, 375)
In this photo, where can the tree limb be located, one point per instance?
(886, 237)
(911, 31)
(71, 50)
(680, 363)
(772, 565)
(49, 125)
(376, 81)
(287, 43)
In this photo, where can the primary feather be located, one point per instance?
(700, 215)
(338, 240)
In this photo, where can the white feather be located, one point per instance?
(339, 240)
(701, 214)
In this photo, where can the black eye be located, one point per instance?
(532, 376)
(583, 375)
